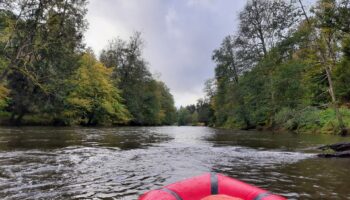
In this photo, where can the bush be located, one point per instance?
(233, 123)
(311, 120)
(3, 97)
(286, 118)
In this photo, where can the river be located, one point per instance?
(122, 163)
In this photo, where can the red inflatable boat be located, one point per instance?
(199, 187)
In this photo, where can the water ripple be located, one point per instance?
(98, 165)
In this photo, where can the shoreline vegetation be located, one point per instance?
(286, 67)
(49, 77)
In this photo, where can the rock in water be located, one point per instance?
(342, 146)
(343, 154)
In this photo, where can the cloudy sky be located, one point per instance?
(180, 36)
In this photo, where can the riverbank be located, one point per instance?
(309, 121)
(306, 121)
(48, 120)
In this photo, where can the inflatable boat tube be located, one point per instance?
(205, 185)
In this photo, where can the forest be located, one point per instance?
(49, 77)
(285, 68)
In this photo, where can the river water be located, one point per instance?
(122, 163)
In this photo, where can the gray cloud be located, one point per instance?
(180, 36)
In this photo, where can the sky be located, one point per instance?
(179, 36)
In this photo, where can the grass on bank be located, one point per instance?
(311, 120)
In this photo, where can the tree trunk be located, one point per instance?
(343, 154)
(262, 40)
(304, 12)
(342, 146)
(342, 128)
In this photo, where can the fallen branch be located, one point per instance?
(342, 146)
(343, 154)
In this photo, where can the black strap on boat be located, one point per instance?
(214, 184)
(174, 194)
(262, 195)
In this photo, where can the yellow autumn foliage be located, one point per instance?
(4, 92)
(94, 96)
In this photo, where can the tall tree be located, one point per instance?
(227, 72)
(204, 111)
(263, 23)
(184, 117)
(94, 99)
(292, 72)
(327, 35)
(168, 110)
(226, 61)
(145, 98)
(342, 73)
(41, 52)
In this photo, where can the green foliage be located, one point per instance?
(39, 52)
(293, 119)
(311, 119)
(342, 81)
(342, 73)
(204, 112)
(150, 113)
(148, 101)
(286, 118)
(253, 88)
(199, 114)
(3, 98)
(50, 80)
(184, 117)
(289, 90)
(286, 70)
(328, 122)
(168, 110)
(93, 98)
(194, 118)
(6, 26)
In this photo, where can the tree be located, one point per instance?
(227, 73)
(225, 59)
(39, 25)
(168, 110)
(148, 100)
(343, 18)
(263, 23)
(289, 70)
(183, 117)
(326, 42)
(204, 111)
(46, 72)
(94, 99)
(342, 73)
(41, 52)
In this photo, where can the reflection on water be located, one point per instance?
(122, 163)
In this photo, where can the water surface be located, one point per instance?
(122, 163)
